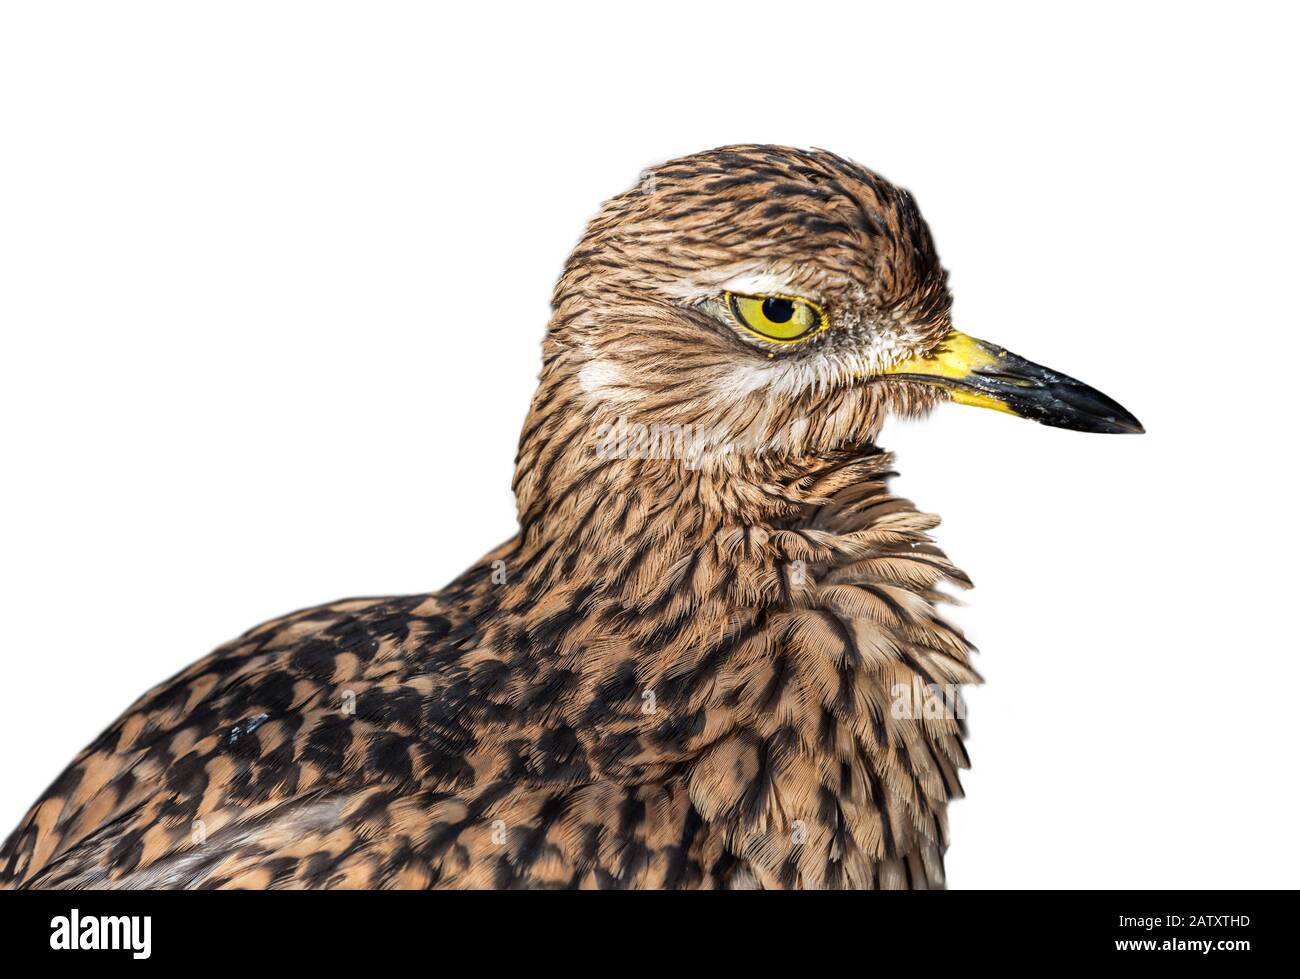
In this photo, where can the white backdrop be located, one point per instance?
(273, 279)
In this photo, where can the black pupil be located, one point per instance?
(778, 310)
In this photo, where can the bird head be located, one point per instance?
(780, 300)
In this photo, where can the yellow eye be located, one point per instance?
(785, 319)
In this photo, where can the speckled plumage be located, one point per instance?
(682, 672)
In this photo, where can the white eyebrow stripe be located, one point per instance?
(746, 281)
(749, 283)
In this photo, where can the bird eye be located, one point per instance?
(785, 319)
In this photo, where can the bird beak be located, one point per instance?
(982, 374)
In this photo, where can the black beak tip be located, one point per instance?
(1116, 426)
(1055, 399)
(1105, 414)
(1086, 409)
(1059, 400)
(1130, 426)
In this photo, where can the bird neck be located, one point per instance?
(642, 567)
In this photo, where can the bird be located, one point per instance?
(713, 654)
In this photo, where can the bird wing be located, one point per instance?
(333, 748)
(263, 735)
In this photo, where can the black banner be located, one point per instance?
(542, 930)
